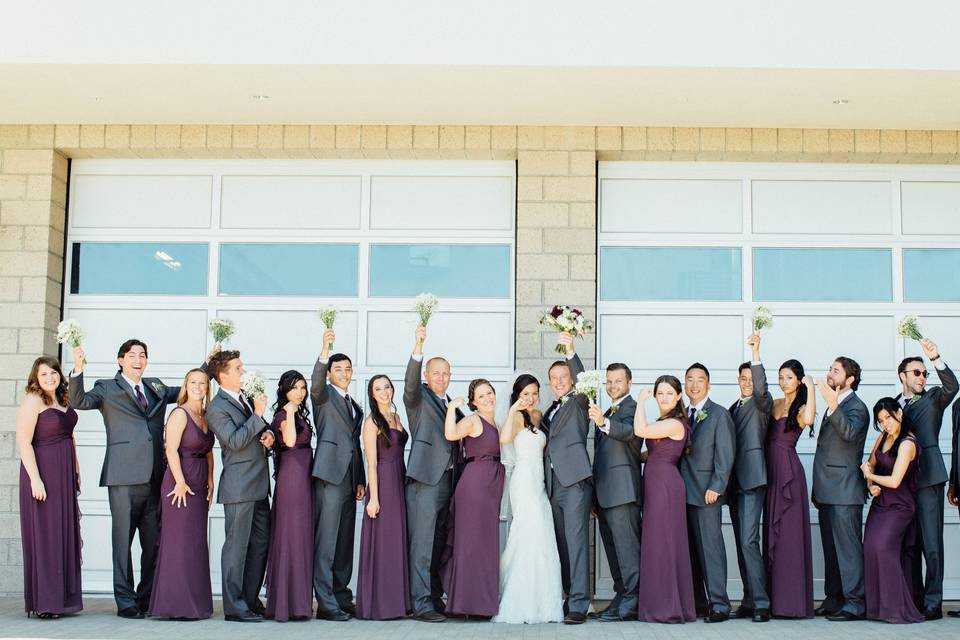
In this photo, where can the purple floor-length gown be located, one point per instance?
(666, 583)
(471, 561)
(181, 586)
(887, 535)
(50, 530)
(787, 550)
(290, 562)
(382, 586)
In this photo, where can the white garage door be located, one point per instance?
(158, 248)
(838, 252)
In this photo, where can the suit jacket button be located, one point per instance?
(149, 439)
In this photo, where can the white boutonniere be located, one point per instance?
(159, 387)
(563, 400)
(700, 416)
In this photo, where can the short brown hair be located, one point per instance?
(218, 363)
(33, 381)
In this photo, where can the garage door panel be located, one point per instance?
(671, 206)
(822, 206)
(441, 202)
(264, 337)
(672, 342)
(140, 201)
(474, 339)
(930, 208)
(290, 202)
(817, 340)
(104, 330)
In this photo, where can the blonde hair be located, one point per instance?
(182, 396)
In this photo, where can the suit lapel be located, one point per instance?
(226, 396)
(339, 403)
(129, 391)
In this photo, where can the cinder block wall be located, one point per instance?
(556, 213)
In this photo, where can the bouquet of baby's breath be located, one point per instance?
(328, 315)
(425, 304)
(69, 332)
(222, 329)
(567, 320)
(252, 384)
(588, 383)
(908, 327)
(762, 318)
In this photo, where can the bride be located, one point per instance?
(530, 586)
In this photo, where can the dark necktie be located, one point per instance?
(693, 415)
(349, 405)
(142, 399)
(246, 406)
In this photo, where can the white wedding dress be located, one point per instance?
(530, 586)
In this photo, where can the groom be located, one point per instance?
(568, 475)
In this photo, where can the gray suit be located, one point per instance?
(243, 491)
(839, 492)
(132, 472)
(431, 473)
(708, 466)
(616, 477)
(748, 487)
(337, 472)
(924, 415)
(567, 474)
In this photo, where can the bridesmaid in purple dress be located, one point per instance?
(181, 586)
(471, 561)
(49, 484)
(787, 549)
(382, 586)
(666, 595)
(290, 561)
(891, 474)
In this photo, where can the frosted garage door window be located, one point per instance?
(931, 275)
(670, 273)
(139, 268)
(453, 270)
(288, 269)
(822, 275)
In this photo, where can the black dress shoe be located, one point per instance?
(761, 615)
(439, 606)
(249, 616)
(717, 616)
(349, 608)
(259, 609)
(702, 612)
(743, 612)
(337, 615)
(575, 617)
(843, 616)
(132, 613)
(933, 614)
(824, 610)
(954, 614)
(430, 616)
(607, 615)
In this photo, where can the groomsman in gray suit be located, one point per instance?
(431, 474)
(339, 481)
(616, 476)
(706, 472)
(133, 409)
(923, 410)
(245, 442)
(839, 491)
(748, 483)
(567, 474)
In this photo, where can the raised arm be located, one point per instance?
(808, 416)
(906, 452)
(232, 436)
(319, 393)
(669, 428)
(761, 394)
(454, 430)
(947, 391)
(412, 391)
(622, 421)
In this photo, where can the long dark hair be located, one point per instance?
(33, 381)
(523, 381)
(793, 413)
(891, 406)
(679, 411)
(380, 420)
(287, 382)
